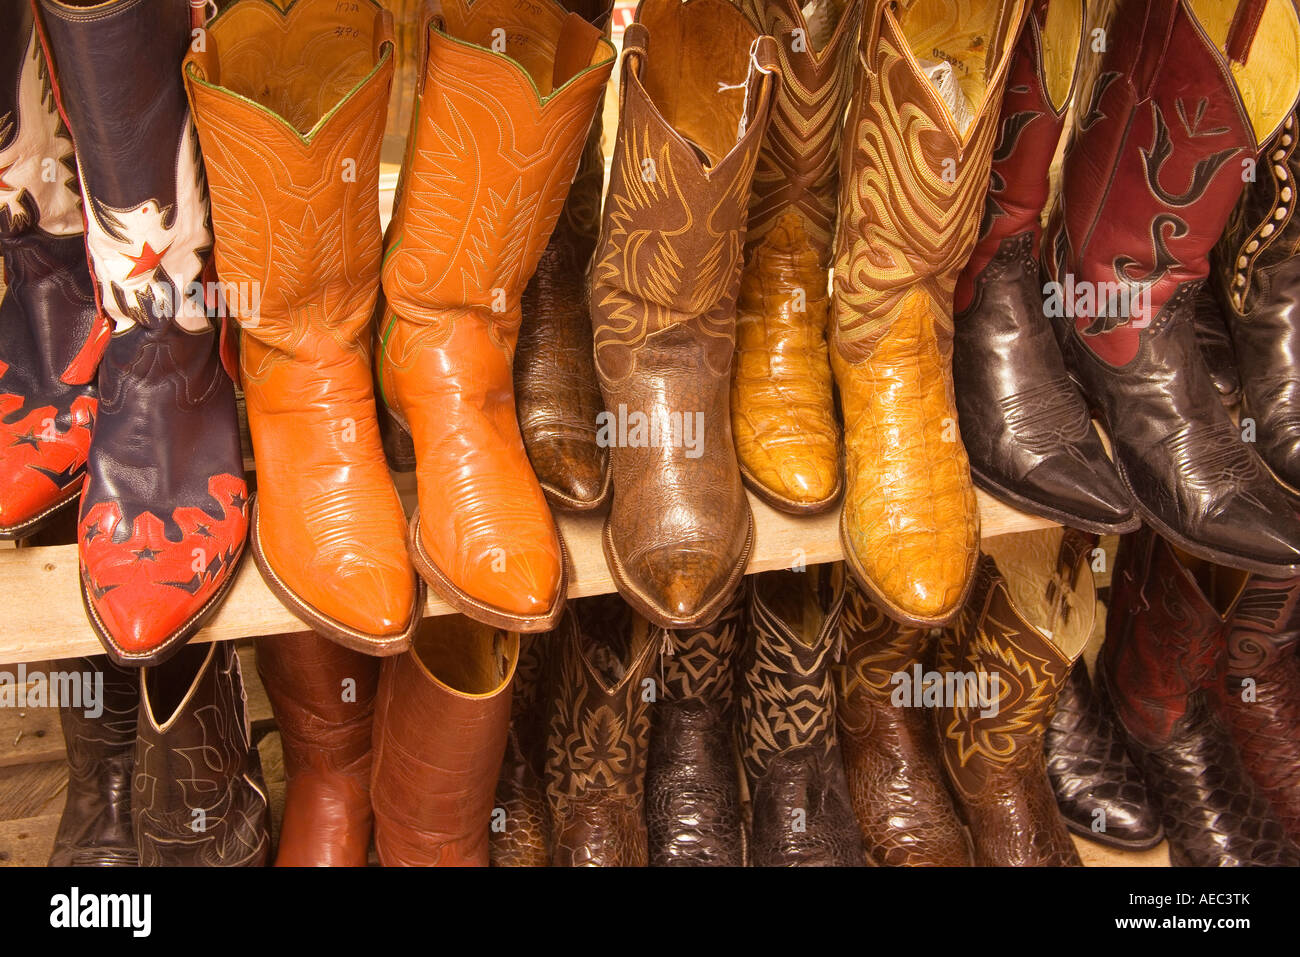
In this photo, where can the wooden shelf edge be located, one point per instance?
(44, 618)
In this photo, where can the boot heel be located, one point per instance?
(399, 448)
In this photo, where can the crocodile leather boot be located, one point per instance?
(521, 825)
(1026, 428)
(47, 406)
(692, 783)
(696, 92)
(1162, 662)
(164, 511)
(95, 829)
(1003, 664)
(782, 407)
(1150, 179)
(188, 813)
(1257, 278)
(1261, 696)
(801, 810)
(323, 699)
(290, 126)
(556, 390)
(891, 757)
(1100, 791)
(599, 735)
(441, 722)
(506, 97)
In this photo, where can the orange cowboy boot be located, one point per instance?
(927, 95)
(505, 100)
(290, 112)
(782, 404)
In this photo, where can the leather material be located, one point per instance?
(891, 755)
(1162, 662)
(790, 754)
(1145, 190)
(523, 838)
(554, 372)
(1216, 347)
(164, 511)
(95, 829)
(1261, 694)
(693, 812)
(441, 722)
(663, 297)
(782, 406)
(323, 699)
(469, 225)
(910, 525)
(1257, 278)
(190, 813)
(1100, 791)
(1025, 627)
(48, 311)
(599, 735)
(1024, 424)
(290, 127)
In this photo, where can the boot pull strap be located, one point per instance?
(384, 33)
(870, 39)
(1245, 24)
(430, 14)
(764, 73)
(636, 43)
(201, 11)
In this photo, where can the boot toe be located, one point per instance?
(680, 581)
(1093, 493)
(919, 581)
(574, 469)
(518, 578)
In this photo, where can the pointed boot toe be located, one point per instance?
(573, 472)
(1090, 498)
(683, 584)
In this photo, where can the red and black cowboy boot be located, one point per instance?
(165, 508)
(1151, 176)
(47, 407)
(1162, 666)
(1025, 426)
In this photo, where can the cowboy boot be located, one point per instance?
(694, 99)
(782, 407)
(197, 794)
(1150, 177)
(1162, 660)
(1100, 791)
(1026, 428)
(599, 735)
(1261, 697)
(521, 832)
(692, 786)
(47, 406)
(164, 511)
(1003, 663)
(1215, 344)
(440, 732)
(554, 374)
(290, 127)
(493, 148)
(802, 814)
(910, 524)
(95, 829)
(1257, 277)
(323, 699)
(891, 756)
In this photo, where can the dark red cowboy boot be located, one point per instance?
(46, 406)
(1161, 664)
(1152, 173)
(165, 510)
(1025, 426)
(1261, 695)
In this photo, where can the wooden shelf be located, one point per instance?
(44, 617)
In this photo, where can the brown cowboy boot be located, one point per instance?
(692, 786)
(696, 92)
(891, 756)
(599, 735)
(1002, 665)
(802, 815)
(782, 407)
(521, 827)
(323, 699)
(1162, 661)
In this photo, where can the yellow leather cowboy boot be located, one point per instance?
(927, 94)
(505, 100)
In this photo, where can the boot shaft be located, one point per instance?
(700, 664)
(876, 650)
(1265, 630)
